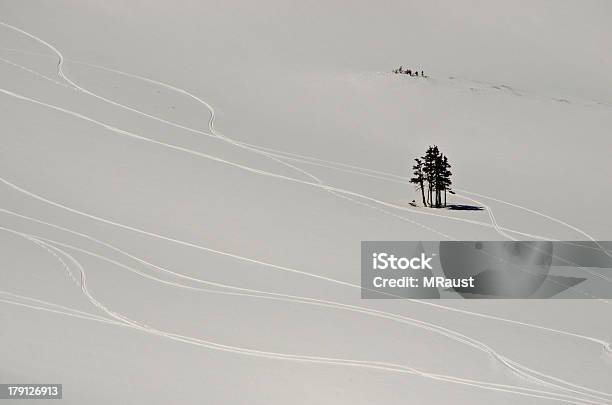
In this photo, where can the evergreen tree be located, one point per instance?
(429, 168)
(432, 171)
(442, 179)
(419, 178)
(446, 176)
(437, 186)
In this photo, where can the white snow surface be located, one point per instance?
(184, 187)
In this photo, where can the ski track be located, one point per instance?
(211, 122)
(318, 183)
(211, 127)
(254, 170)
(509, 364)
(254, 147)
(275, 152)
(57, 311)
(578, 230)
(200, 247)
(180, 275)
(501, 232)
(57, 253)
(64, 309)
(514, 366)
(283, 154)
(483, 385)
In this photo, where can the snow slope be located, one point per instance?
(184, 189)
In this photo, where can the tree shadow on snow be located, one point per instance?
(462, 207)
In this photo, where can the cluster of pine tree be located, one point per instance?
(432, 176)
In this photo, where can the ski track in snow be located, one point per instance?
(319, 183)
(518, 368)
(258, 171)
(181, 275)
(273, 152)
(123, 320)
(199, 154)
(506, 363)
(17, 298)
(260, 149)
(215, 134)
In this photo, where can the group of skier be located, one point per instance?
(409, 72)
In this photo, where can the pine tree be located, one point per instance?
(432, 171)
(419, 178)
(446, 176)
(429, 168)
(442, 179)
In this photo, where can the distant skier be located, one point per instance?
(409, 72)
(416, 73)
(422, 74)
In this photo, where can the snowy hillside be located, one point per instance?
(184, 189)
